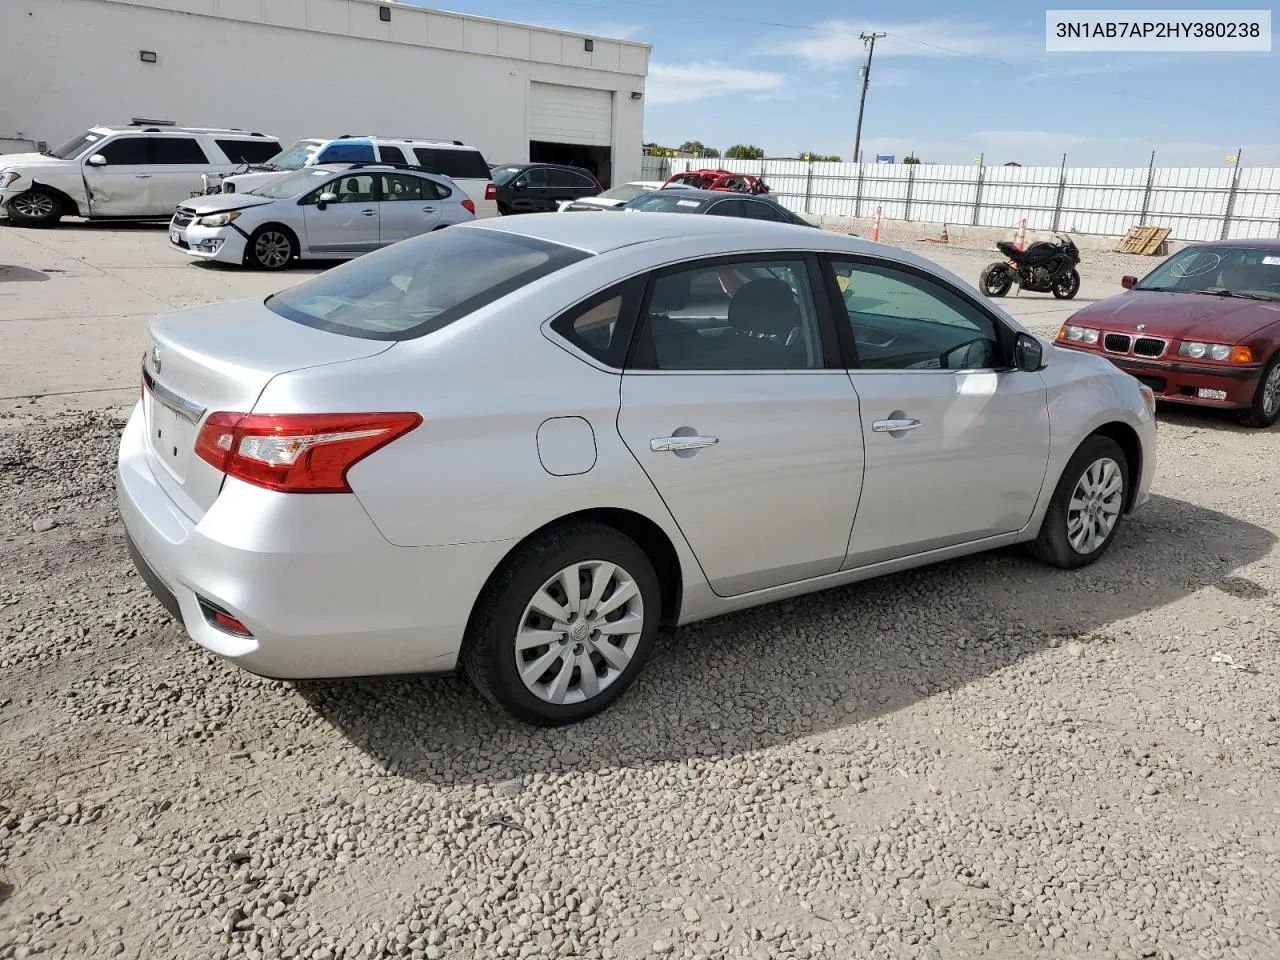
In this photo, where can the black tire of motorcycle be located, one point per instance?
(999, 273)
(1068, 286)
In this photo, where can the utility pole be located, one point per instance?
(870, 40)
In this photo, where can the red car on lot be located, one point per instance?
(1202, 328)
(719, 180)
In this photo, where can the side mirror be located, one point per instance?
(1128, 282)
(325, 199)
(97, 160)
(1028, 354)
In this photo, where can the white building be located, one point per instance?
(323, 68)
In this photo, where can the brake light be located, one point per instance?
(490, 192)
(468, 205)
(297, 452)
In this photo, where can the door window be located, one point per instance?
(905, 321)
(175, 150)
(391, 154)
(756, 210)
(352, 189)
(535, 178)
(601, 327)
(726, 208)
(753, 315)
(457, 163)
(399, 186)
(125, 151)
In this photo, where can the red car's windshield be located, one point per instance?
(1236, 271)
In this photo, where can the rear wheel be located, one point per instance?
(565, 626)
(271, 247)
(1068, 286)
(1087, 506)
(996, 280)
(35, 208)
(1265, 408)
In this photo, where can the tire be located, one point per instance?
(1055, 544)
(36, 208)
(1265, 408)
(505, 608)
(271, 247)
(995, 280)
(1068, 286)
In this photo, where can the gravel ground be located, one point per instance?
(983, 759)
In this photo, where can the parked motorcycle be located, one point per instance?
(1043, 267)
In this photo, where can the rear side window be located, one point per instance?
(459, 163)
(248, 151)
(391, 154)
(601, 326)
(347, 153)
(421, 285)
(175, 150)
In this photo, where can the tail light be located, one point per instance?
(297, 452)
(469, 205)
(491, 192)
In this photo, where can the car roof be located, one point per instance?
(153, 127)
(356, 167)
(600, 234)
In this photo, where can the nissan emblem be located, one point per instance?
(155, 358)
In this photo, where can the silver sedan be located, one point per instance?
(523, 445)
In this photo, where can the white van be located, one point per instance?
(135, 171)
(464, 165)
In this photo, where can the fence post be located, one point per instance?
(1146, 196)
(808, 185)
(857, 197)
(1062, 189)
(977, 195)
(911, 179)
(1231, 197)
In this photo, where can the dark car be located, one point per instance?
(1202, 328)
(717, 203)
(540, 187)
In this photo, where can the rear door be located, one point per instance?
(177, 163)
(347, 226)
(121, 187)
(409, 206)
(732, 408)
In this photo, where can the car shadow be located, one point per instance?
(850, 655)
(1188, 415)
(12, 274)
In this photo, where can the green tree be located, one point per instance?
(819, 156)
(911, 158)
(744, 151)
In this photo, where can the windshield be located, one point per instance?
(1237, 271)
(294, 156)
(420, 285)
(504, 175)
(663, 202)
(628, 191)
(74, 147)
(292, 184)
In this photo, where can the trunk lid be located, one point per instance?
(220, 357)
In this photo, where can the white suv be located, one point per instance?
(462, 164)
(136, 172)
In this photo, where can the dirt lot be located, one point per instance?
(983, 759)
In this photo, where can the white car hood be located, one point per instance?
(8, 160)
(219, 202)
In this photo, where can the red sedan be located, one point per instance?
(725, 180)
(1201, 328)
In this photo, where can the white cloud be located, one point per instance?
(834, 43)
(671, 83)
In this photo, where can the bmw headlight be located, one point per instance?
(218, 219)
(1076, 334)
(1201, 351)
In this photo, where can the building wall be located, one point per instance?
(297, 68)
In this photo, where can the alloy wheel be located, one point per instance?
(580, 632)
(273, 249)
(1271, 392)
(1095, 506)
(35, 206)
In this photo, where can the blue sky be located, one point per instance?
(947, 83)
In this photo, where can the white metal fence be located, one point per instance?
(1196, 203)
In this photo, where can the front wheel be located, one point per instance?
(1264, 410)
(1067, 286)
(1088, 503)
(271, 248)
(35, 208)
(996, 280)
(565, 626)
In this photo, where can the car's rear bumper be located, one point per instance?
(321, 591)
(1184, 382)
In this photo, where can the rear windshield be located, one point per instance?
(664, 202)
(458, 163)
(503, 175)
(421, 285)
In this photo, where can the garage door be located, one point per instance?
(570, 114)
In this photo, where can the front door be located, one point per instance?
(749, 437)
(409, 206)
(122, 186)
(348, 224)
(957, 443)
(532, 192)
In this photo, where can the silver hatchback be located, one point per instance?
(524, 444)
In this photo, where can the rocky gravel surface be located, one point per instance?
(984, 759)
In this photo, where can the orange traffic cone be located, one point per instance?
(1021, 242)
(875, 230)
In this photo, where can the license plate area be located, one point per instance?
(175, 236)
(170, 436)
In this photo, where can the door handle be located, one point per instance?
(672, 444)
(894, 426)
(142, 176)
(368, 213)
(428, 209)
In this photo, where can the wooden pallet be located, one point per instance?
(1143, 240)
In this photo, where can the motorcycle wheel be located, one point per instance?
(995, 280)
(1068, 286)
